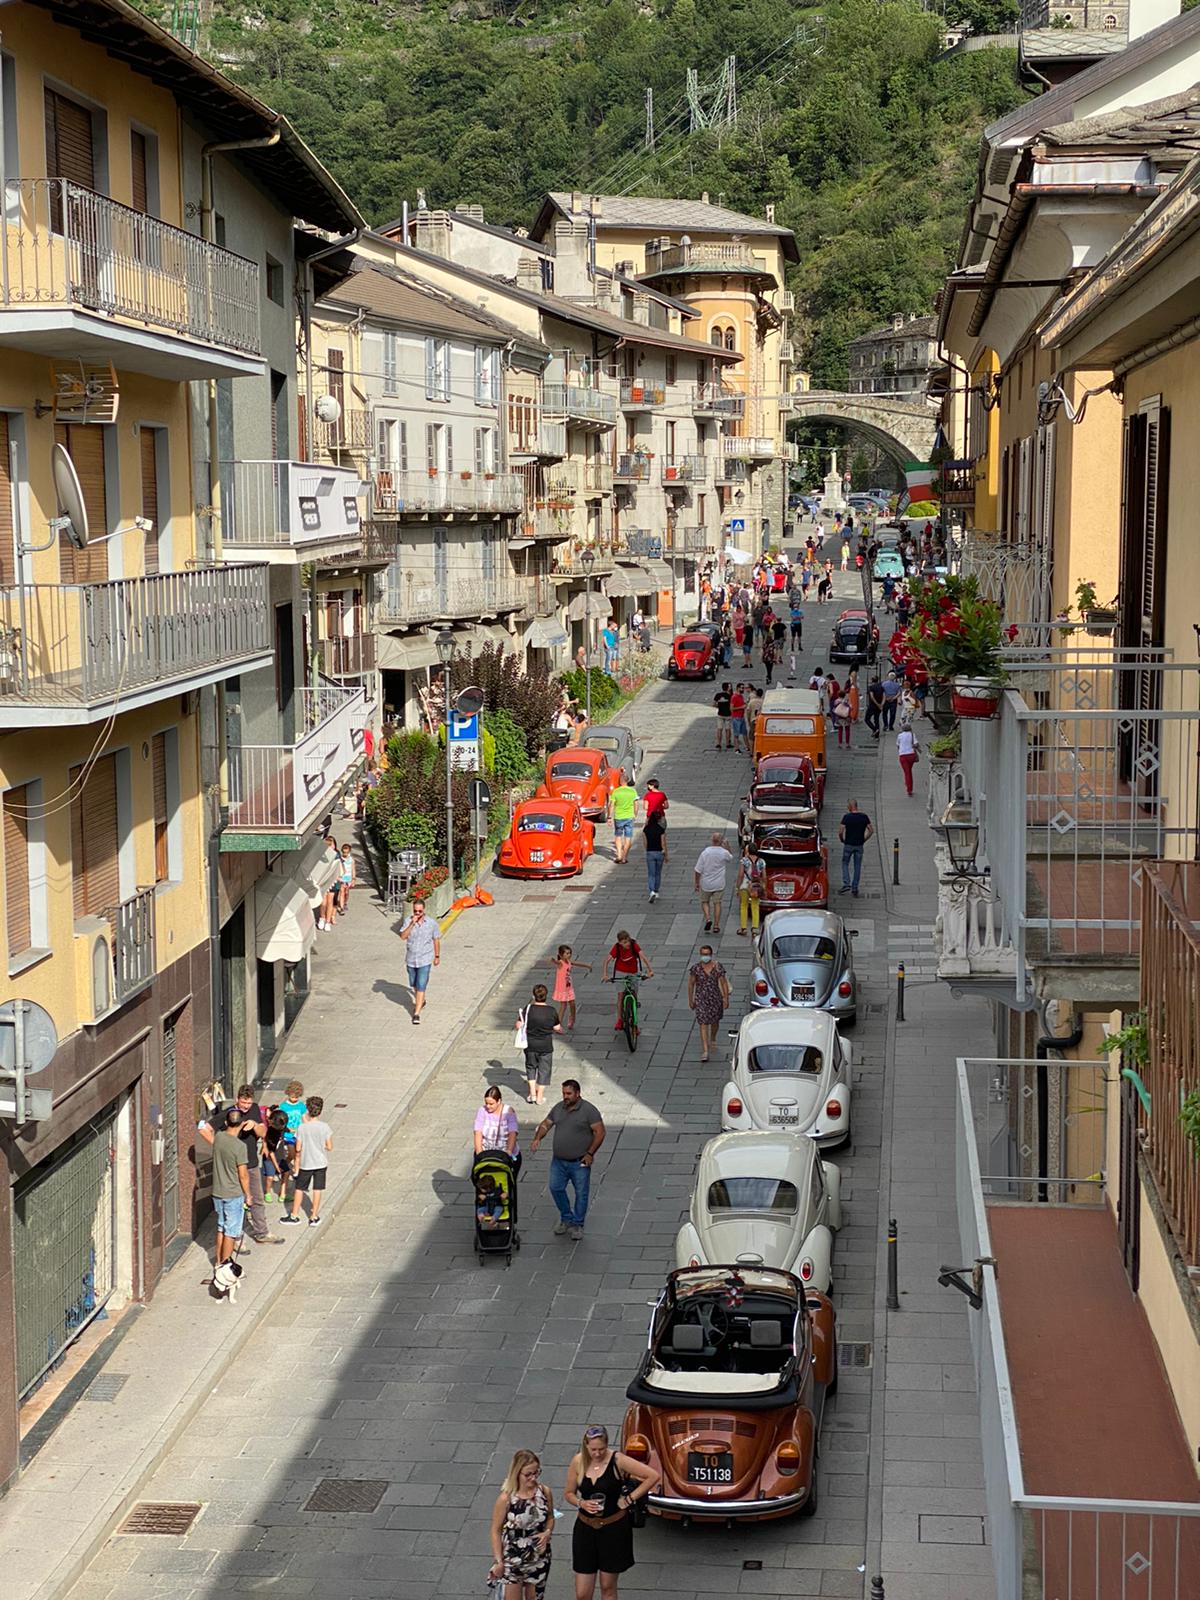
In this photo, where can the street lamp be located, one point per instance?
(445, 650)
(960, 830)
(589, 561)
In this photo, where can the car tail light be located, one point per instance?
(787, 1457)
(638, 1446)
(761, 987)
(806, 1271)
(844, 990)
(833, 1109)
(733, 1107)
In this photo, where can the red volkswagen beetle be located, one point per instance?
(693, 655)
(582, 775)
(548, 838)
(795, 863)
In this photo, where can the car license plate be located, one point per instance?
(783, 1118)
(803, 991)
(710, 1469)
(537, 855)
(785, 891)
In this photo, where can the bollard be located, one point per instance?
(877, 1589)
(895, 861)
(893, 1267)
(900, 993)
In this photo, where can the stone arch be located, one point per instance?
(906, 431)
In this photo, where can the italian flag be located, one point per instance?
(919, 476)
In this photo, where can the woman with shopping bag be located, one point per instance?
(537, 1023)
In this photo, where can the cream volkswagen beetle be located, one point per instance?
(791, 1073)
(764, 1200)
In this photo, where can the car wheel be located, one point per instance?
(809, 1508)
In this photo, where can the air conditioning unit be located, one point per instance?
(93, 968)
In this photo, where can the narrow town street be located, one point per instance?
(392, 1356)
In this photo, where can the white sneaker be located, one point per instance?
(654, 894)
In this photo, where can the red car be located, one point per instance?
(580, 774)
(547, 839)
(785, 788)
(795, 864)
(693, 655)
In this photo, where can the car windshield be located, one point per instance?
(785, 724)
(802, 947)
(571, 769)
(603, 742)
(786, 1058)
(752, 1194)
(539, 822)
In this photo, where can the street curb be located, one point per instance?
(87, 1546)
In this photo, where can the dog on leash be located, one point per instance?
(225, 1280)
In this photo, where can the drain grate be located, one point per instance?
(171, 1519)
(578, 888)
(347, 1494)
(106, 1387)
(856, 1353)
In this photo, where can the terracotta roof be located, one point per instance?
(664, 214)
(398, 298)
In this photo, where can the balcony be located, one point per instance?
(413, 597)
(787, 351)
(531, 437)
(633, 468)
(1080, 782)
(637, 397)
(348, 656)
(276, 791)
(446, 494)
(1089, 1483)
(956, 481)
(74, 653)
(548, 526)
(563, 483)
(583, 406)
(748, 447)
(688, 541)
(786, 302)
(731, 469)
(287, 512)
(132, 925)
(733, 257)
(351, 434)
(597, 479)
(680, 472)
(641, 542)
(375, 547)
(714, 400)
(86, 277)
(568, 562)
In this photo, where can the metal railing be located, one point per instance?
(734, 256)
(580, 404)
(566, 559)
(348, 655)
(398, 493)
(1088, 774)
(715, 400)
(641, 542)
(66, 245)
(956, 480)
(1170, 970)
(637, 396)
(564, 480)
(421, 597)
(633, 468)
(283, 786)
(748, 447)
(287, 503)
(549, 525)
(536, 437)
(732, 470)
(597, 477)
(681, 541)
(133, 944)
(352, 431)
(1016, 577)
(684, 470)
(1071, 1547)
(76, 644)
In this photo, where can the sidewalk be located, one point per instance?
(354, 1044)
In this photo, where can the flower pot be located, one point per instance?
(975, 698)
(1101, 624)
(636, 393)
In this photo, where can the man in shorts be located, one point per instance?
(423, 938)
(230, 1185)
(721, 701)
(314, 1141)
(622, 808)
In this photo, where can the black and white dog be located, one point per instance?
(225, 1280)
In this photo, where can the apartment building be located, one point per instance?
(901, 359)
(127, 297)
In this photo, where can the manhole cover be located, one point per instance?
(107, 1387)
(855, 1353)
(164, 1517)
(751, 1566)
(347, 1494)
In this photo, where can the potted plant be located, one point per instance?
(1099, 621)
(958, 636)
(946, 747)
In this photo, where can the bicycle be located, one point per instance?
(629, 1009)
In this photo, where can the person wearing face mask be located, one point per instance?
(708, 995)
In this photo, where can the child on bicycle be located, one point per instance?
(629, 965)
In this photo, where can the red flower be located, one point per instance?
(1011, 632)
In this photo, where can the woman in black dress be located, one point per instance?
(603, 1484)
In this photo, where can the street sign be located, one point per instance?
(39, 1037)
(463, 728)
(480, 794)
(737, 525)
(464, 742)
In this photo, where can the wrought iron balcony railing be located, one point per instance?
(133, 944)
(579, 404)
(422, 597)
(444, 493)
(641, 542)
(714, 400)
(633, 468)
(348, 655)
(684, 470)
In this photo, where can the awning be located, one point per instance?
(660, 574)
(546, 633)
(742, 557)
(405, 652)
(520, 544)
(283, 919)
(582, 605)
(495, 633)
(315, 870)
(628, 581)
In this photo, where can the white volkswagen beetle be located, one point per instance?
(764, 1200)
(791, 1072)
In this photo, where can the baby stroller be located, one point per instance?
(494, 1201)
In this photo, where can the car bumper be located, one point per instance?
(676, 1506)
(836, 1007)
(506, 871)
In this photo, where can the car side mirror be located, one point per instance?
(853, 932)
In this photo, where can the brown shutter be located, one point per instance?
(148, 440)
(85, 446)
(8, 564)
(96, 881)
(16, 870)
(69, 149)
(139, 187)
(158, 753)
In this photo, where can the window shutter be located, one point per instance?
(431, 369)
(139, 184)
(449, 432)
(84, 444)
(69, 143)
(148, 441)
(431, 460)
(1154, 525)
(95, 879)
(403, 454)
(16, 869)
(390, 385)
(8, 560)
(480, 451)
(480, 376)
(381, 446)
(158, 757)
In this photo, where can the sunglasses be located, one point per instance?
(596, 1433)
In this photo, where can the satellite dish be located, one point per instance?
(70, 497)
(328, 409)
(469, 703)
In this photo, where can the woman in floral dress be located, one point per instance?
(522, 1526)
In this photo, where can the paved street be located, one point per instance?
(392, 1356)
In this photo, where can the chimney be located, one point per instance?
(474, 210)
(433, 233)
(571, 276)
(529, 274)
(595, 205)
(576, 202)
(771, 212)
(641, 309)
(897, 321)
(704, 198)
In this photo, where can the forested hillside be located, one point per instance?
(846, 119)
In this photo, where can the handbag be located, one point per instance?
(522, 1036)
(637, 1508)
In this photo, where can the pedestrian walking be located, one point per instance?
(328, 908)
(768, 659)
(708, 995)
(737, 718)
(845, 555)
(749, 889)
(539, 1023)
(854, 830)
(603, 1485)
(423, 941)
(909, 753)
(230, 1185)
(852, 694)
(654, 800)
(796, 620)
(724, 731)
(891, 700)
(711, 866)
(611, 641)
(496, 1126)
(875, 704)
(314, 1141)
(841, 718)
(622, 808)
(654, 833)
(564, 964)
(578, 1130)
(522, 1527)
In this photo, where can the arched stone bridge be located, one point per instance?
(906, 429)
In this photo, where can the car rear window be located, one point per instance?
(802, 947)
(539, 822)
(604, 743)
(786, 1058)
(752, 1194)
(695, 641)
(570, 769)
(794, 725)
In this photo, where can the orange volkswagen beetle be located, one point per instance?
(582, 775)
(548, 838)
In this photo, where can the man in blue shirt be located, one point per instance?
(856, 828)
(797, 624)
(891, 699)
(609, 640)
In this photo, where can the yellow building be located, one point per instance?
(117, 624)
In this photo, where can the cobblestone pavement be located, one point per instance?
(393, 1357)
